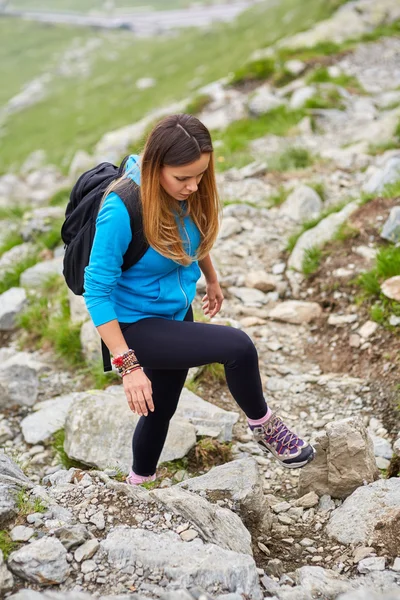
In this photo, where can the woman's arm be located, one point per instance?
(207, 267)
(112, 336)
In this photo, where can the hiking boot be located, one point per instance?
(275, 437)
(134, 479)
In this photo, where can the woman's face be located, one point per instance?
(181, 182)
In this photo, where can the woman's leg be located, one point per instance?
(163, 345)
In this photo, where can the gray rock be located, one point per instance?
(367, 515)
(240, 481)
(43, 561)
(366, 594)
(261, 280)
(319, 582)
(373, 563)
(344, 460)
(87, 550)
(90, 342)
(40, 220)
(218, 525)
(72, 536)
(19, 384)
(99, 428)
(296, 312)
(20, 533)
(12, 302)
(249, 296)
(185, 563)
(263, 100)
(390, 173)
(319, 235)
(391, 228)
(12, 480)
(35, 276)
(77, 308)
(6, 578)
(48, 418)
(300, 96)
(302, 204)
(81, 162)
(209, 420)
(33, 595)
(295, 66)
(382, 447)
(391, 288)
(10, 259)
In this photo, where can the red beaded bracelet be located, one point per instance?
(128, 371)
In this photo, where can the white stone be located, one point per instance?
(48, 417)
(230, 226)
(87, 550)
(6, 578)
(12, 302)
(261, 280)
(249, 296)
(35, 276)
(394, 321)
(90, 342)
(43, 561)
(296, 311)
(295, 66)
(319, 235)
(390, 173)
(367, 329)
(372, 563)
(302, 204)
(391, 228)
(20, 533)
(339, 320)
(300, 96)
(382, 447)
(396, 564)
(81, 162)
(391, 288)
(263, 100)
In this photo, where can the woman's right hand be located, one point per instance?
(138, 392)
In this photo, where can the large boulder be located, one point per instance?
(344, 460)
(217, 525)
(186, 564)
(12, 480)
(37, 275)
(43, 561)
(99, 428)
(370, 516)
(90, 342)
(240, 481)
(319, 235)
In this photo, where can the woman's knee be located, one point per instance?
(242, 348)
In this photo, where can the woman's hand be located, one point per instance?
(213, 299)
(138, 392)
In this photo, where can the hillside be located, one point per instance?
(305, 117)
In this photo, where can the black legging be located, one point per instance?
(166, 350)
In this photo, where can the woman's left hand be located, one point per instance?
(213, 299)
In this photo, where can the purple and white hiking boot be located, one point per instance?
(275, 437)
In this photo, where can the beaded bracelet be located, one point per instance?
(130, 371)
(125, 361)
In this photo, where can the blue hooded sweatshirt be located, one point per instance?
(154, 287)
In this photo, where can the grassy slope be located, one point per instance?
(27, 50)
(79, 112)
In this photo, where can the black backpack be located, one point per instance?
(79, 227)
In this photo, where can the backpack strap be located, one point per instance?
(106, 357)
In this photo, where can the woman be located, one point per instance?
(144, 314)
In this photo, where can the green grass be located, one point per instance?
(291, 159)
(97, 378)
(14, 213)
(51, 238)
(346, 232)
(12, 239)
(236, 137)
(79, 110)
(391, 191)
(254, 70)
(311, 261)
(61, 197)
(46, 322)
(279, 196)
(27, 505)
(198, 104)
(321, 75)
(6, 544)
(11, 277)
(58, 445)
(319, 187)
(387, 264)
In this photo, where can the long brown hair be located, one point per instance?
(175, 141)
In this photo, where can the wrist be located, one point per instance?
(212, 279)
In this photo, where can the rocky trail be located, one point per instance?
(245, 529)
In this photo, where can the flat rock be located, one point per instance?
(47, 419)
(218, 525)
(99, 428)
(261, 280)
(187, 564)
(361, 518)
(344, 460)
(44, 561)
(249, 296)
(35, 276)
(319, 235)
(72, 536)
(12, 302)
(296, 311)
(238, 480)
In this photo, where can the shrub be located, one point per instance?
(311, 260)
(6, 544)
(262, 68)
(291, 159)
(198, 104)
(11, 277)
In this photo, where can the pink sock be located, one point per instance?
(134, 479)
(254, 422)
